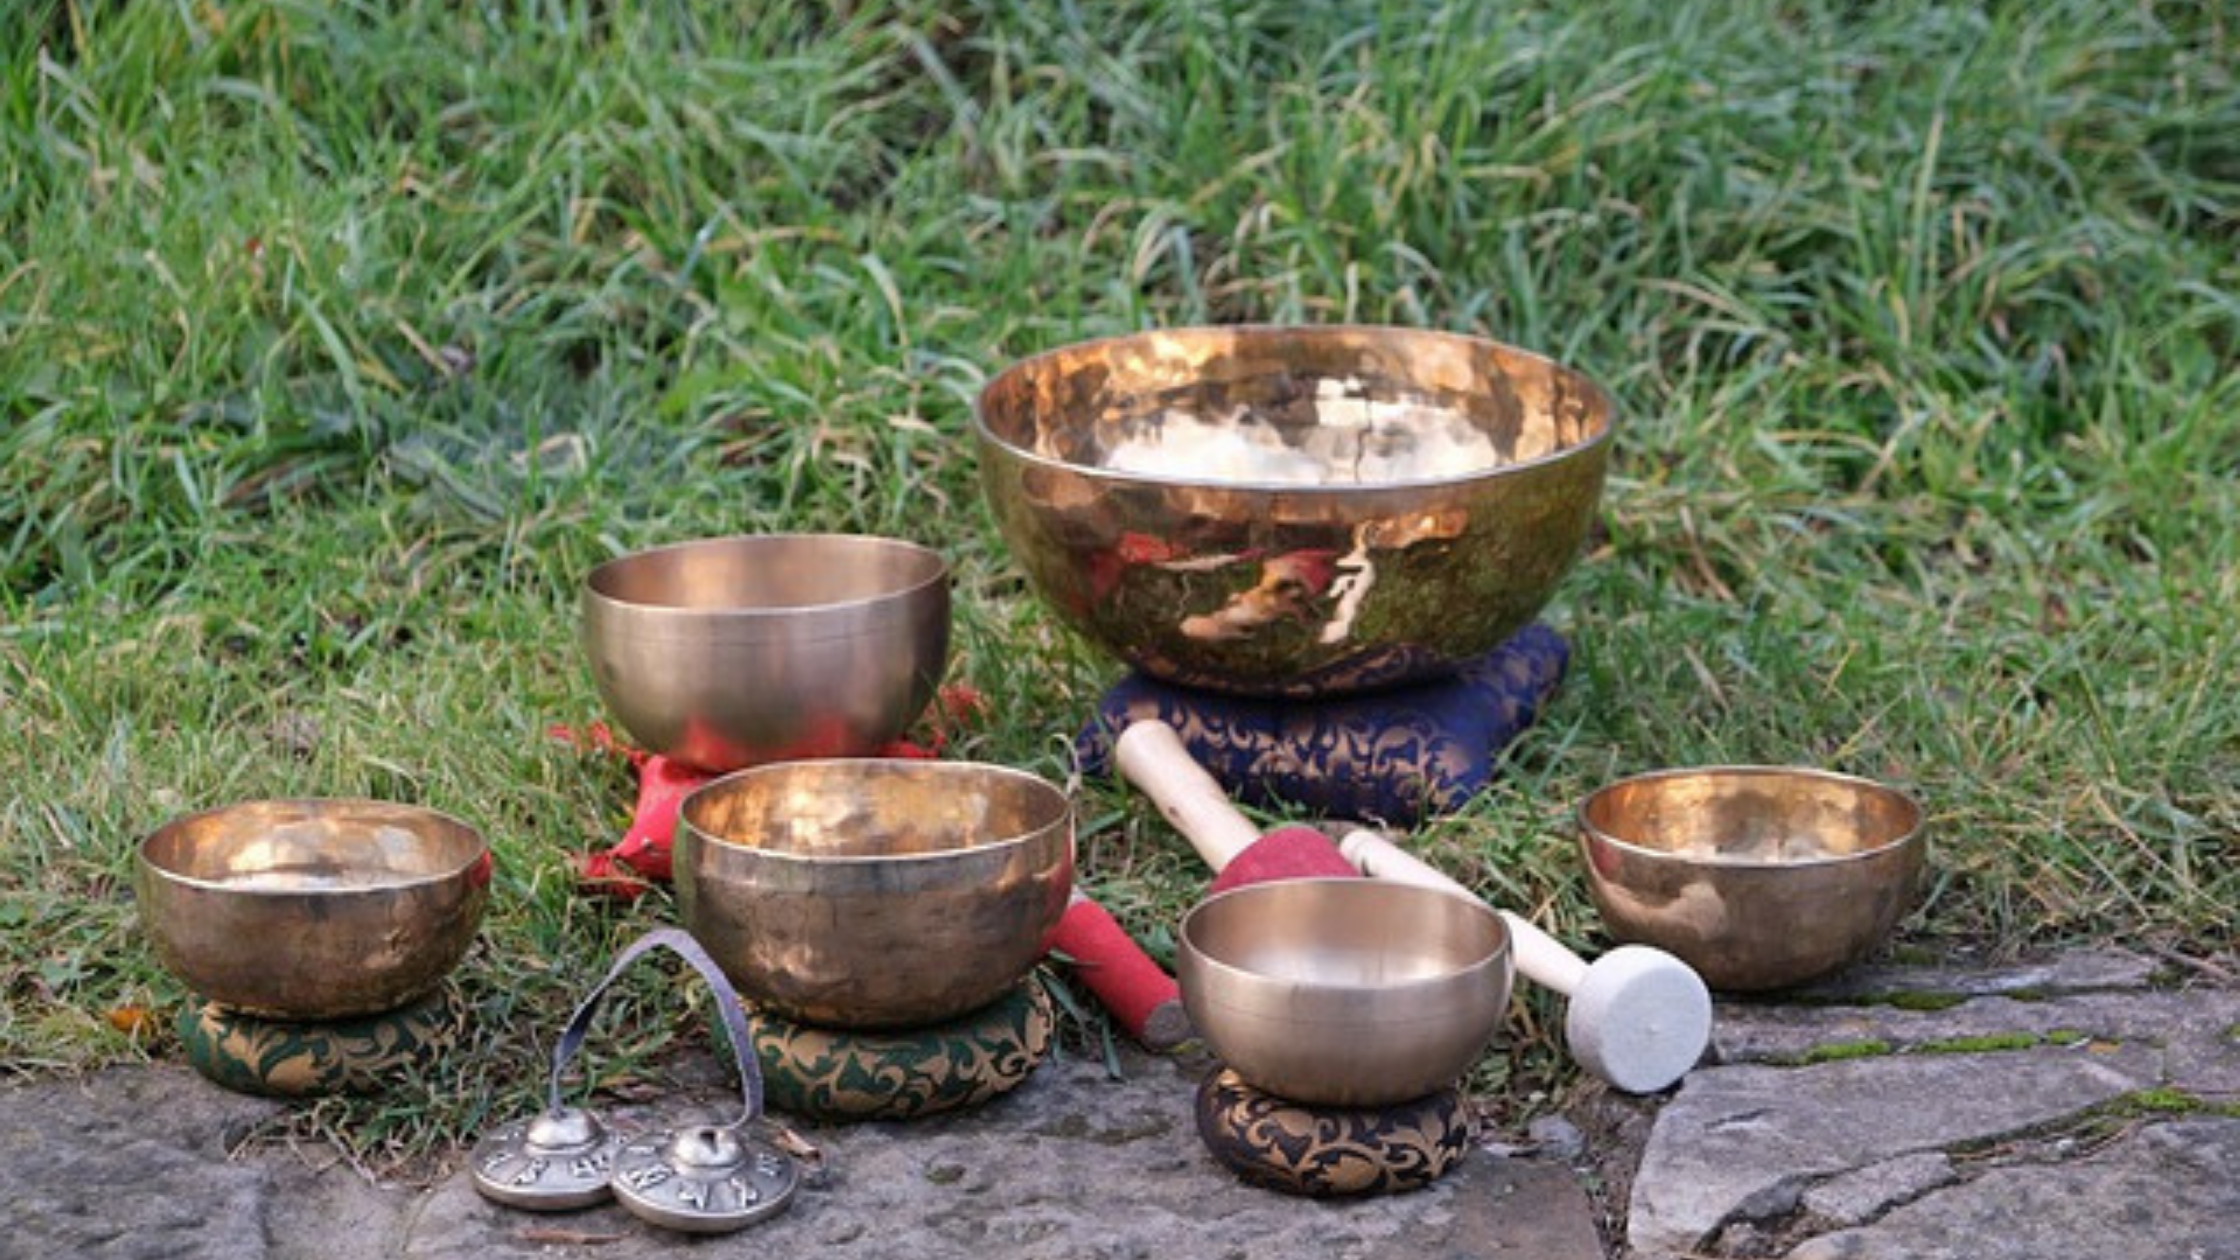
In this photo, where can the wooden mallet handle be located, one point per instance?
(1152, 756)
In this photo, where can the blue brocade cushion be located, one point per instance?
(1394, 756)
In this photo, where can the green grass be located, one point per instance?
(338, 340)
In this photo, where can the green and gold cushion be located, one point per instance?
(281, 1058)
(865, 1074)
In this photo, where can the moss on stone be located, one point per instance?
(1982, 1043)
(2164, 1100)
(1836, 1051)
(1921, 1001)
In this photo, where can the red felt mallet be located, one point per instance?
(1139, 995)
(1638, 1018)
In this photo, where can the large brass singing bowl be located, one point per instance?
(1760, 877)
(874, 893)
(1344, 992)
(312, 909)
(731, 652)
(1293, 510)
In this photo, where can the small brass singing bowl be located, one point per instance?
(874, 893)
(730, 652)
(1293, 511)
(1344, 992)
(312, 909)
(1760, 877)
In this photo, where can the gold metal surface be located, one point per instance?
(1760, 877)
(1344, 992)
(1295, 511)
(312, 909)
(874, 893)
(731, 652)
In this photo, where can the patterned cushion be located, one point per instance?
(860, 1074)
(1393, 756)
(1329, 1152)
(282, 1058)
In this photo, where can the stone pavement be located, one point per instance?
(2090, 1105)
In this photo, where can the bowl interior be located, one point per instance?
(313, 846)
(868, 810)
(1293, 407)
(1342, 935)
(1752, 816)
(775, 573)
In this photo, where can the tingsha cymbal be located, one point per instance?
(703, 1179)
(555, 1161)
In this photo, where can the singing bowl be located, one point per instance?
(730, 652)
(872, 893)
(1344, 992)
(1293, 511)
(1760, 877)
(312, 909)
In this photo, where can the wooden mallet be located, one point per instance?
(1639, 1018)
(1151, 755)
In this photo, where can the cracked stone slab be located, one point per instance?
(2075, 971)
(2166, 1190)
(1749, 1140)
(2193, 1026)
(1074, 1166)
(1865, 1193)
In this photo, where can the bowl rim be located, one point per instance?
(1607, 406)
(1911, 834)
(926, 765)
(1502, 957)
(601, 574)
(312, 805)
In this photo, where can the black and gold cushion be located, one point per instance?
(900, 1074)
(301, 1059)
(1329, 1152)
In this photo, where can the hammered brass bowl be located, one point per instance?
(1760, 877)
(312, 909)
(1344, 992)
(1293, 511)
(730, 652)
(873, 893)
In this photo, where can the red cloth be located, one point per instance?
(641, 858)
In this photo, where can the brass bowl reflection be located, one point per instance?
(874, 893)
(1344, 992)
(729, 652)
(312, 909)
(1293, 510)
(1760, 877)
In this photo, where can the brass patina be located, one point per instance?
(312, 909)
(1293, 511)
(1760, 877)
(730, 652)
(1344, 992)
(874, 893)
